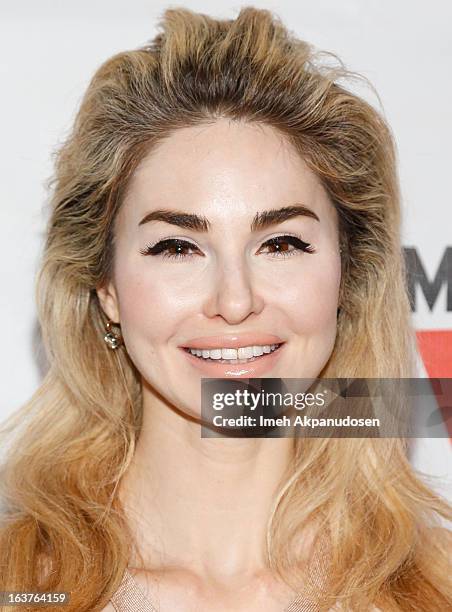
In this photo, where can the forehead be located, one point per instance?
(224, 168)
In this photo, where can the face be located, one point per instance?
(227, 271)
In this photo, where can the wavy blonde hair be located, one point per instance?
(69, 446)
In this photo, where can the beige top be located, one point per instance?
(130, 598)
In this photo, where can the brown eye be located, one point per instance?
(281, 245)
(172, 248)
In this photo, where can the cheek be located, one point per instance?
(148, 306)
(311, 295)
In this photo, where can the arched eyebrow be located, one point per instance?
(262, 220)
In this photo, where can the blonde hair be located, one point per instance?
(76, 435)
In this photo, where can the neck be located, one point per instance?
(201, 503)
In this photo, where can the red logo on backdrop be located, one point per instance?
(435, 347)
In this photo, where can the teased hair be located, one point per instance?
(75, 437)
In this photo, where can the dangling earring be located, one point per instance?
(113, 340)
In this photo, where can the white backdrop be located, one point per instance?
(48, 52)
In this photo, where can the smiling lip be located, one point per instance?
(251, 369)
(232, 341)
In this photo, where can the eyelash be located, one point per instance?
(161, 247)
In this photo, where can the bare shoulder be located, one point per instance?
(108, 608)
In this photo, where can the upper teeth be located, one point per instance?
(245, 352)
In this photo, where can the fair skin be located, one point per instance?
(199, 507)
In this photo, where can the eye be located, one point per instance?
(164, 248)
(281, 244)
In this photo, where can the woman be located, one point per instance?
(219, 190)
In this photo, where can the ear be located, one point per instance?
(109, 301)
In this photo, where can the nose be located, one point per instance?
(234, 295)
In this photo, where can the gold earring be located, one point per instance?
(112, 339)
